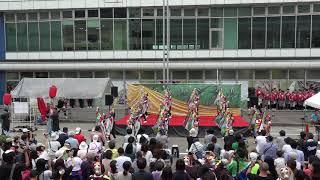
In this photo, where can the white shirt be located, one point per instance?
(76, 161)
(279, 163)
(195, 147)
(95, 147)
(53, 146)
(82, 154)
(120, 160)
(261, 140)
(286, 148)
(148, 157)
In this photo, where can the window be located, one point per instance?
(296, 74)
(56, 74)
(148, 12)
(147, 74)
(106, 34)
(230, 12)
(86, 74)
(80, 35)
(244, 11)
(132, 74)
(106, 13)
(93, 13)
(70, 74)
(315, 31)
(217, 23)
(56, 42)
(176, 33)
(303, 31)
(159, 34)
(12, 75)
(258, 32)
(189, 12)
(134, 12)
(44, 36)
(316, 7)
(55, 15)
(189, 33)
(44, 15)
(230, 33)
(120, 12)
(203, 34)
(116, 74)
(26, 75)
(288, 33)
(21, 16)
(10, 17)
(33, 17)
(288, 9)
(244, 33)
(195, 75)
(216, 39)
(67, 14)
(68, 40)
(93, 34)
(258, 11)
(216, 12)
(304, 8)
(100, 74)
(279, 74)
(179, 75)
(11, 41)
(148, 34)
(245, 74)
(120, 34)
(33, 36)
(135, 34)
(227, 74)
(41, 74)
(80, 14)
(211, 74)
(273, 10)
(203, 11)
(175, 12)
(262, 74)
(22, 36)
(313, 74)
(273, 32)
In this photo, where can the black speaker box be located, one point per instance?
(108, 100)
(114, 91)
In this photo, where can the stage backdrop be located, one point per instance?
(181, 94)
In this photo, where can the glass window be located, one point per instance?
(33, 36)
(80, 35)
(93, 34)
(230, 12)
(67, 14)
(44, 15)
(106, 34)
(288, 9)
(44, 36)
(100, 74)
(135, 34)
(279, 74)
(259, 11)
(203, 11)
(296, 74)
(12, 75)
(120, 12)
(33, 16)
(316, 7)
(56, 74)
(273, 32)
(288, 33)
(120, 34)
(211, 74)
(11, 41)
(148, 34)
(304, 8)
(21, 16)
(244, 33)
(189, 33)
(195, 75)
(159, 12)
(80, 14)
(132, 74)
(227, 74)
(134, 12)
(70, 74)
(244, 11)
(26, 75)
(216, 12)
(159, 34)
(245, 74)
(189, 12)
(176, 33)
(316, 31)
(274, 10)
(148, 12)
(258, 33)
(106, 13)
(68, 40)
(22, 36)
(313, 74)
(262, 74)
(147, 74)
(93, 13)
(55, 15)
(179, 75)
(116, 74)
(41, 74)
(303, 31)
(230, 33)
(56, 42)
(10, 17)
(216, 39)
(85, 74)
(217, 23)
(175, 12)
(202, 34)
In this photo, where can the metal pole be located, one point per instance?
(163, 44)
(168, 41)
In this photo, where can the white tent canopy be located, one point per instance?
(71, 88)
(313, 101)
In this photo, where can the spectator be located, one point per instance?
(166, 173)
(125, 175)
(75, 162)
(308, 168)
(63, 136)
(191, 137)
(180, 173)
(159, 165)
(79, 136)
(42, 171)
(72, 141)
(113, 173)
(9, 165)
(97, 131)
(280, 139)
(311, 146)
(106, 159)
(238, 163)
(264, 172)
(279, 162)
(130, 148)
(235, 144)
(315, 169)
(146, 153)
(217, 147)
(53, 145)
(83, 150)
(272, 169)
(112, 146)
(208, 136)
(197, 148)
(143, 140)
(302, 141)
(269, 149)
(142, 174)
(261, 140)
(163, 138)
(299, 154)
(221, 171)
(95, 146)
(121, 159)
(129, 134)
(142, 132)
(229, 140)
(87, 165)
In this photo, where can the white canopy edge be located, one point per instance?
(313, 101)
(71, 88)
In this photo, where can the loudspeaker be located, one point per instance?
(108, 100)
(251, 92)
(114, 91)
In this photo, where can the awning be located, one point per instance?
(71, 88)
(313, 101)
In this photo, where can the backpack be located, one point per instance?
(198, 153)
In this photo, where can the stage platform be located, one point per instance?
(176, 127)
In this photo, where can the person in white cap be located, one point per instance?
(53, 145)
(192, 135)
(95, 146)
(83, 150)
(79, 136)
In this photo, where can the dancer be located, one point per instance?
(145, 106)
(224, 118)
(192, 119)
(164, 114)
(134, 122)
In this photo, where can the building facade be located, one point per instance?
(210, 40)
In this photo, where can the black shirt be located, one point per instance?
(257, 177)
(142, 175)
(5, 170)
(180, 175)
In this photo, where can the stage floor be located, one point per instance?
(206, 121)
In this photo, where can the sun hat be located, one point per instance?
(71, 133)
(78, 130)
(54, 136)
(83, 146)
(193, 132)
(25, 130)
(95, 138)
